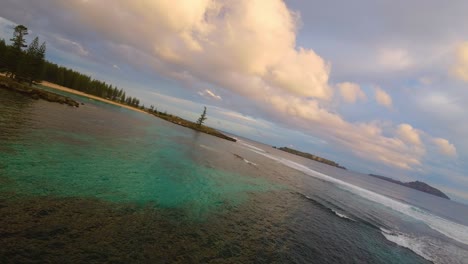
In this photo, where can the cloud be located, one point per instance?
(460, 70)
(382, 97)
(408, 134)
(70, 46)
(249, 48)
(351, 92)
(249, 38)
(365, 140)
(209, 94)
(426, 80)
(445, 147)
(394, 59)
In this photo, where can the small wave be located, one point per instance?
(455, 231)
(341, 215)
(322, 205)
(252, 147)
(417, 245)
(245, 160)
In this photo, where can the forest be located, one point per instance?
(27, 63)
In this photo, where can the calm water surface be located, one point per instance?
(104, 184)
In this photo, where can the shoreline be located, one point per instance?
(68, 90)
(168, 117)
(35, 92)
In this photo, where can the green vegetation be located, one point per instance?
(202, 118)
(311, 156)
(77, 81)
(22, 63)
(185, 123)
(25, 63)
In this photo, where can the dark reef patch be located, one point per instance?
(82, 230)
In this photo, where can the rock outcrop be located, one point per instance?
(35, 93)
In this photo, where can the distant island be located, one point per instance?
(417, 185)
(310, 156)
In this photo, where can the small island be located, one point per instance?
(311, 156)
(416, 185)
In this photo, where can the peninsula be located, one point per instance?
(189, 124)
(416, 185)
(311, 156)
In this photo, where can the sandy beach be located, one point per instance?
(68, 90)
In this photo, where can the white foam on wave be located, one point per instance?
(450, 229)
(334, 211)
(341, 215)
(416, 245)
(249, 162)
(251, 147)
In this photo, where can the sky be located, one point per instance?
(378, 86)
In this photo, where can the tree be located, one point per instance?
(18, 37)
(16, 52)
(202, 117)
(32, 64)
(3, 55)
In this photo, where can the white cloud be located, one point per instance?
(209, 94)
(351, 92)
(382, 97)
(249, 38)
(408, 134)
(366, 140)
(445, 147)
(71, 46)
(248, 47)
(394, 59)
(460, 70)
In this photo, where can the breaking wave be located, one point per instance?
(452, 230)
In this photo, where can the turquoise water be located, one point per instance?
(148, 167)
(100, 183)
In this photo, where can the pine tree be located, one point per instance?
(202, 117)
(32, 64)
(16, 52)
(18, 37)
(3, 55)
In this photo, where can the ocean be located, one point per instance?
(101, 184)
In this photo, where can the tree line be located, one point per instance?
(26, 63)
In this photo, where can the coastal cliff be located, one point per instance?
(417, 185)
